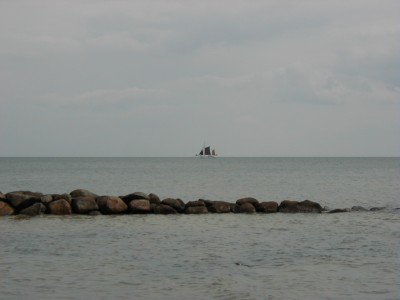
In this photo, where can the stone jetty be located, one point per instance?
(82, 201)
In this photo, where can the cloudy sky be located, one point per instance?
(157, 78)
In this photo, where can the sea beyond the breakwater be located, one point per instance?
(222, 256)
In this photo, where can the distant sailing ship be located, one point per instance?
(207, 152)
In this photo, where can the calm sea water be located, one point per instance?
(276, 256)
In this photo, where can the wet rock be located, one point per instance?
(94, 213)
(196, 210)
(267, 207)
(247, 208)
(82, 193)
(141, 206)
(111, 205)
(176, 204)
(250, 200)
(5, 209)
(22, 199)
(33, 210)
(164, 209)
(46, 199)
(59, 207)
(376, 208)
(83, 205)
(135, 196)
(359, 208)
(220, 207)
(195, 203)
(62, 196)
(339, 210)
(153, 198)
(306, 206)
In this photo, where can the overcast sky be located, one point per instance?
(157, 78)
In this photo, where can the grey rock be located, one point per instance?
(33, 210)
(164, 209)
(82, 193)
(140, 206)
(83, 205)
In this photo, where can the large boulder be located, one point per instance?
(247, 208)
(83, 205)
(62, 196)
(153, 198)
(164, 209)
(306, 206)
(135, 196)
(22, 199)
(220, 207)
(196, 210)
(195, 203)
(5, 209)
(111, 205)
(176, 204)
(59, 207)
(141, 206)
(82, 193)
(250, 200)
(267, 207)
(33, 210)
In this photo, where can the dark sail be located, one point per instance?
(201, 152)
(207, 151)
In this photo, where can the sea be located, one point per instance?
(353, 255)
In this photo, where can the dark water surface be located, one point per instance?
(275, 256)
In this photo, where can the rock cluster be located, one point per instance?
(82, 201)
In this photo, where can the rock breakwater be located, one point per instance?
(82, 201)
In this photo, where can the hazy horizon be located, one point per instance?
(157, 79)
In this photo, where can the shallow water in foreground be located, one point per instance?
(274, 256)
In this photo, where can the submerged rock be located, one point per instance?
(376, 208)
(94, 213)
(83, 205)
(359, 208)
(141, 206)
(82, 193)
(268, 207)
(339, 210)
(164, 209)
(33, 210)
(6, 209)
(59, 207)
(111, 205)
